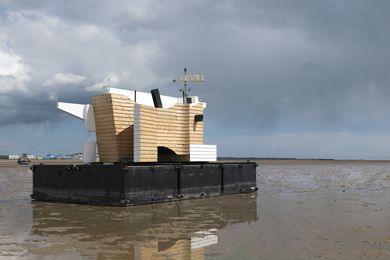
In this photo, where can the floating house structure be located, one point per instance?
(151, 149)
(143, 127)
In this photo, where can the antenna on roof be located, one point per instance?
(109, 81)
(188, 78)
(108, 85)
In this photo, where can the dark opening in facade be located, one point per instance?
(164, 154)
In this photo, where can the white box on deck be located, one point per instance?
(203, 153)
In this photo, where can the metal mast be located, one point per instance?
(188, 78)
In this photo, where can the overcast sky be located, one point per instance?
(302, 78)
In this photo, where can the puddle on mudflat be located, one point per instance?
(332, 211)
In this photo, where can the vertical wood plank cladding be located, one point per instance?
(182, 135)
(114, 117)
(124, 126)
(147, 139)
(104, 120)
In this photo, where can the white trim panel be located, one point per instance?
(203, 153)
(81, 111)
(198, 242)
(89, 118)
(89, 151)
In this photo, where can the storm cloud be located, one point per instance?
(319, 68)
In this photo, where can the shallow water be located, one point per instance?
(329, 211)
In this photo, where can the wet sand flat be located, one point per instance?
(306, 210)
(14, 163)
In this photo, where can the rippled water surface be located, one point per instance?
(328, 211)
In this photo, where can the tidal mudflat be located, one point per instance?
(303, 210)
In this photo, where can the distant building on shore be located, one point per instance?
(73, 156)
(31, 156)
(17, 156)
(14, 157)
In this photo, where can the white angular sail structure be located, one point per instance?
(81, 111)
(85, 113)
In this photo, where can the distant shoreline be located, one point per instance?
(14, 163)
(268, 161)
(287, 161)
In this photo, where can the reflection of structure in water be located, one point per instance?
(193, 248)
(175, 230)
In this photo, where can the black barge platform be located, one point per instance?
(124, 184)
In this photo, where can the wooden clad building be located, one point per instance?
(130, 127)
(128, 131)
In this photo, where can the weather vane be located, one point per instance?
(188, 78)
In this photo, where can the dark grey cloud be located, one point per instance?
(271, 66)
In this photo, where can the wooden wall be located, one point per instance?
(114, 119)
(145, 134)
(173, 128)
(126, 131)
